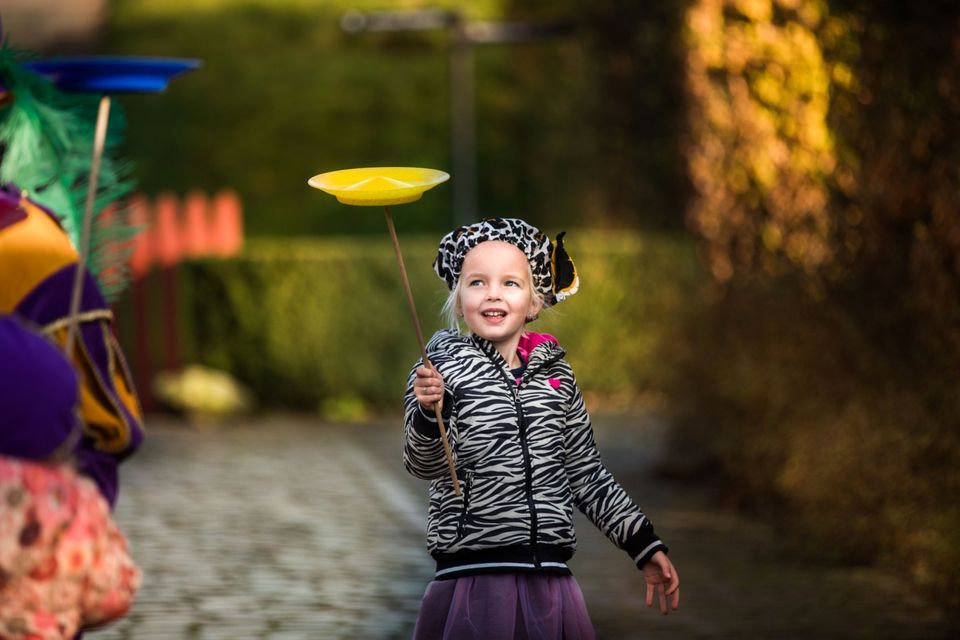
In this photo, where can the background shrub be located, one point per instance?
(790, 405)
(303, 322)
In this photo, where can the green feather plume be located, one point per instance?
(47, 136)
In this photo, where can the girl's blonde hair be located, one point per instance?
(450, 311)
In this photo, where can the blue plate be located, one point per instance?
(113, 74)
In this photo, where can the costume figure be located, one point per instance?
(45, 136)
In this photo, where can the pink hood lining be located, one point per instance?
(529, 341)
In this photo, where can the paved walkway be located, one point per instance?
(285, 528)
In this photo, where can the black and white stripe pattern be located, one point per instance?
(525, 455)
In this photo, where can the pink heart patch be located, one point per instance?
(555, 383)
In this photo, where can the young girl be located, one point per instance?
(523, 448)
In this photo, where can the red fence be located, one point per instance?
(175, 230)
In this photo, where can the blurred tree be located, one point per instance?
(613, 98)
(637, 109)
(823, 148)
(761, 155)
(897, 125)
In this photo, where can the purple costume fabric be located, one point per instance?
(10, 211)
(39, 392)
(504, 606)
(50, 301)
(47, 304)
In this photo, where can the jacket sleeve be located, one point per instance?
(423, 454)
(598, 495)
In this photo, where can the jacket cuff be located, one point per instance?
(642, 547)
(425, 420)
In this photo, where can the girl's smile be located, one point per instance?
(494, 315)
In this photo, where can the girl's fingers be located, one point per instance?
(428, 381)
(663, 601)
(424, 373)
(428, 384)
(676, 599)
(674, 585)
(428, 395)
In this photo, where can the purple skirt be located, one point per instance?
(504, 606)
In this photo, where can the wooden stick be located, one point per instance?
(76, 294)
(423, 349)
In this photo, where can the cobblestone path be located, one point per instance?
(285, 528)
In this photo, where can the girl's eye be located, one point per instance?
(475, 283)
(512, 283)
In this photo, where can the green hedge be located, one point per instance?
(323, 323)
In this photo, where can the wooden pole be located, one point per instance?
(423, 349)
(99, 139)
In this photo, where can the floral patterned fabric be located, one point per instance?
(64, 564)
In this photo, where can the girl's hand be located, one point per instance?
(428, 387)
(662, 579)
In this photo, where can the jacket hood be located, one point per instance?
(533, 347)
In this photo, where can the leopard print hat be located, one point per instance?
(554, 274)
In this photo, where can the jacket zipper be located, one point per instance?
(528, 470)
(514, 388)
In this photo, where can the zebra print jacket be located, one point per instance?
(525, 455)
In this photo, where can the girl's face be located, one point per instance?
(496, 294)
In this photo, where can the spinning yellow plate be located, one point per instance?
(376, 186)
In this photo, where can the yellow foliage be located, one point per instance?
(843, 76)
(761, 149)
(755, 9)
(772, 237)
